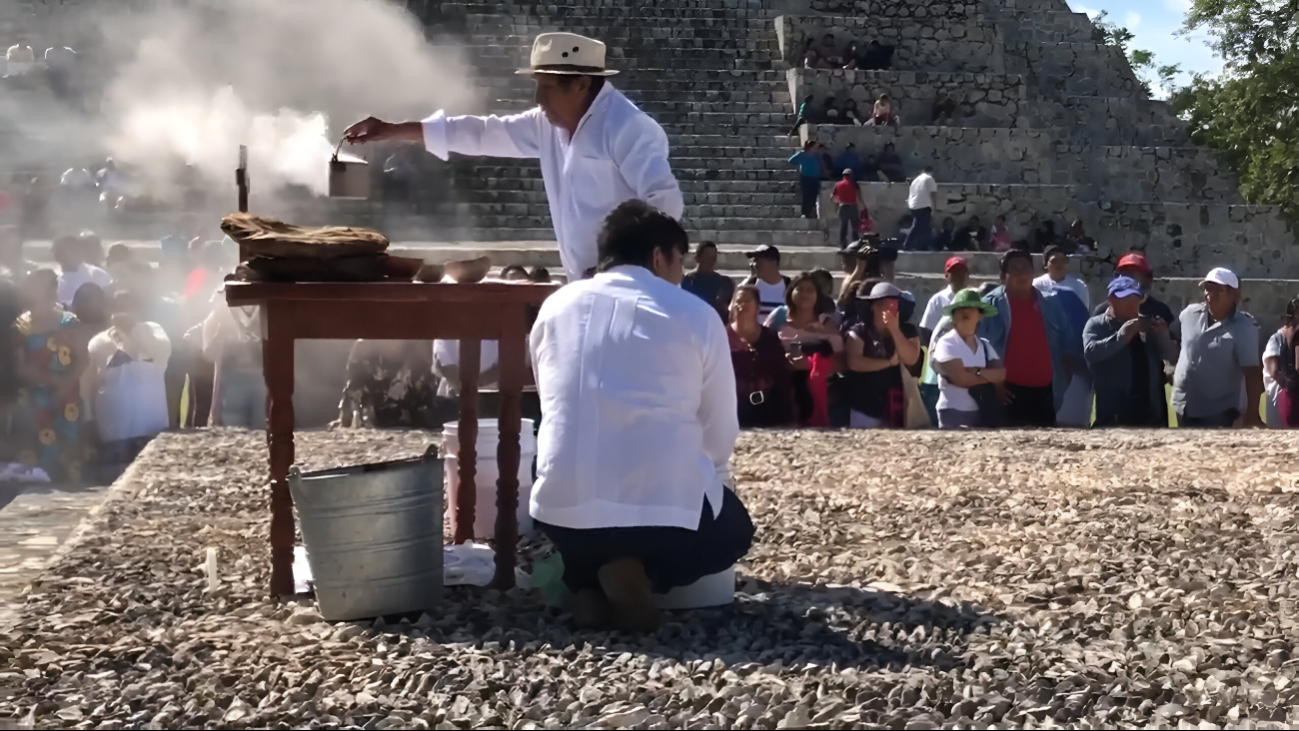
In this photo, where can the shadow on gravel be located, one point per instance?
(769, 625)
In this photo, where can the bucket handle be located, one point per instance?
(338, 149)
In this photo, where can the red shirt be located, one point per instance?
(845, 192)
(1028, 356)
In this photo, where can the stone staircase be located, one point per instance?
(1048, 125)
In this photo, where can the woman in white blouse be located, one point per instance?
(128, 364)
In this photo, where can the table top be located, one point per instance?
(501, 293)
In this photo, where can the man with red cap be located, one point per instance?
(1134, 264)
(957, 274)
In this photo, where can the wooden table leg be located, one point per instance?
(277, 366)
(467, 495)
(513, 365)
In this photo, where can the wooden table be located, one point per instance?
(469, 313)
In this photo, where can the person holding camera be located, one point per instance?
(1126, 351)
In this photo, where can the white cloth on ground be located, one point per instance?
(617, 154)
(637, 386)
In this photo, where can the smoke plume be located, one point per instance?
(285, 77)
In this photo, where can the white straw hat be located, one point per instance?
(567, 54)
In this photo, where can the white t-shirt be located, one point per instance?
(923, 190)
(70, 282)
(447, 353)
(934, 310)
(770, 296)
(1270, 386)
(952, 347)
(1045, 283)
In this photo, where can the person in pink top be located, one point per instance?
(1000, 235)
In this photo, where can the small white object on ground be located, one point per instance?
(213, 580)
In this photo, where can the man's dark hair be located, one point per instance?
(1012, 255)
(597, 82)
(634, 231)
(706, 245)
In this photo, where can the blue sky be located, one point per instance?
(1154, 23)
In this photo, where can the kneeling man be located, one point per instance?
(638, 393)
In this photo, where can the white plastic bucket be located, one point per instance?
(488, 473)
(714, 590)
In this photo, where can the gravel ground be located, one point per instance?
(902, 580)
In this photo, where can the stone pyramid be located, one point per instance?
(1047, 123)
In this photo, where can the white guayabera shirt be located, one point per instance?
(636, 382)
(617, 154)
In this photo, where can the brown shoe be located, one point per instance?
(590, 609)
(632, 600)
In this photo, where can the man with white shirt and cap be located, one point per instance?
(638, 392)
(1219, 350)
(596, 148)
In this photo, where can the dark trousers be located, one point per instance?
(811, 190)
(1213, 421)
(848, 218)
(921, 233)
(1032, 407)
(672, 556)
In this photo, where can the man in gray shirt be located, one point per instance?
(1219, 348)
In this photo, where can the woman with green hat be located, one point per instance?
(964, 363)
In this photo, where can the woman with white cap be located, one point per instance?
(596, 148)
(878, 347)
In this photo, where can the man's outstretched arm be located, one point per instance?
(516, 135)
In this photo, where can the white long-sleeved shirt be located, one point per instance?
(617, 154)
(636, 382)
(1045, 283)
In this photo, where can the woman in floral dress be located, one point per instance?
(52, 352)
(390, 385)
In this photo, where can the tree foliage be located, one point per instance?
(1250, 113)
(1151, 74)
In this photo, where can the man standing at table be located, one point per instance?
(637, 386)
(597, 149)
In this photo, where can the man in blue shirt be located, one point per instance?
(809, 177)
(849, 160)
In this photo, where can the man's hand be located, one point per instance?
(1004, 394)
(377, 130)
(1158, 326)
(1130, 330)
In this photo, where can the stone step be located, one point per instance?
(977, 100)
(939, 44)
(1031, 156)
(1061, 70)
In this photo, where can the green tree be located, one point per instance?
(1151, 74)
(1249, 113)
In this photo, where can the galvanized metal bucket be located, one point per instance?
(373, 535)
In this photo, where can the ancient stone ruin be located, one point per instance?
(1039, 121)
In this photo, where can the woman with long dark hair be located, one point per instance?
(762, 373)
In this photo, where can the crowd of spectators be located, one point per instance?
(1025, 352)
(915, 231)
(57, 67)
